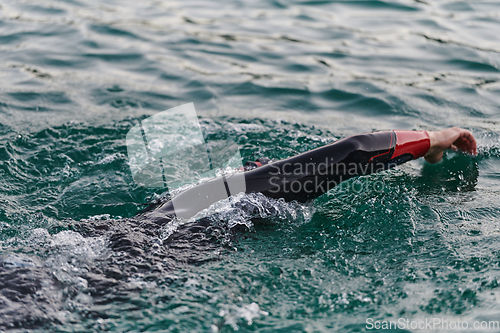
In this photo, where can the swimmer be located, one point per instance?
(310, 174)
(138, 247)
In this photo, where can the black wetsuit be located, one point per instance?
(308, 175)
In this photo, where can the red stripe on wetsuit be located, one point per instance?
(416, 143)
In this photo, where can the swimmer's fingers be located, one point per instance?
(466, 142)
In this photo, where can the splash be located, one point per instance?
(232, 314)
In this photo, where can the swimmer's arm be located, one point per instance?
(304, 176)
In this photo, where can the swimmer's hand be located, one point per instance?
(450, 138)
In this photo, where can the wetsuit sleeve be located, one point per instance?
(415, 143)
(313, 173)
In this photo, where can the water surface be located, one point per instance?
(279, 78)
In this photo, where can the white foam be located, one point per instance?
(242, 208)
(74, 243)
(111, 158)
(248, 312)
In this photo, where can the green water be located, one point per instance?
(279, 78)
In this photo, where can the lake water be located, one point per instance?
(279, 78)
